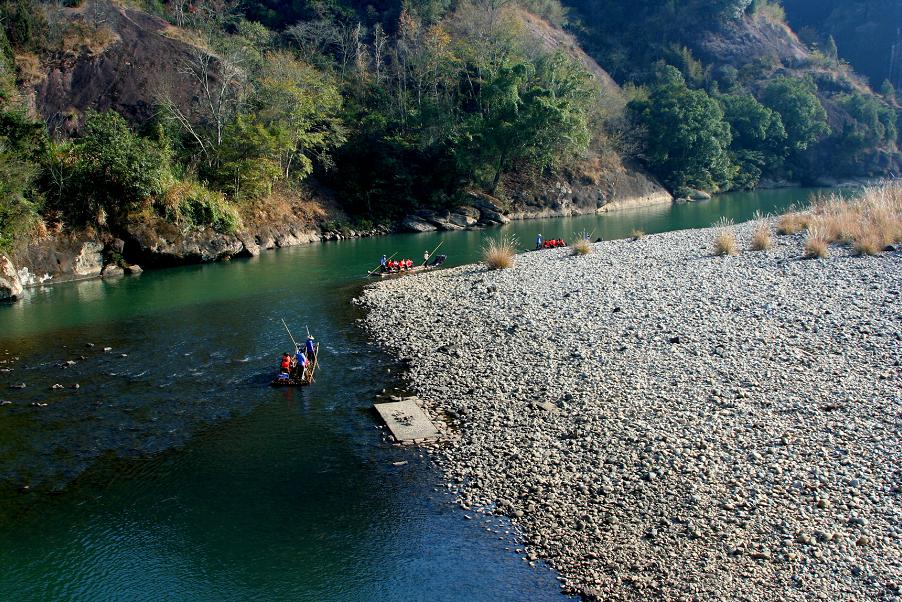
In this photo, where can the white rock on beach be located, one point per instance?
(667, 424)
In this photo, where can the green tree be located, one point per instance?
(18, 202)
(830, 49)
(116, 168)
(758, 137)
(888, 91)
(24, 23)
(688, 140)
(536, 114)
(292, 120)
(873, 122)
(802, 113)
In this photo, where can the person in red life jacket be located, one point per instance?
(409, 263)
(285, 364)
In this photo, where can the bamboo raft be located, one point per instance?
(414, 270)
(292, 379)
(382, 272)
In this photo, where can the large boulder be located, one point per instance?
(251, 246)
(491, 218)
(10, 287)
(465, 217)
(60, 258)
(439, 219)
(89, 259)
(157, 243)
(414, 223)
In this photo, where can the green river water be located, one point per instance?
(176, 472)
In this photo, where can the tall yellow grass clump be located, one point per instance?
(581, 247)
(498, 253)
(792, 222)
(816, 245)
(636, 234)
(869, 223)
(761, 239)
(725, 239)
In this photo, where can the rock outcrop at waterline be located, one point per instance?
(614, 187)
(151, 241)
(664, 424)
(10, 286)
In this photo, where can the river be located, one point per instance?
(173, 471)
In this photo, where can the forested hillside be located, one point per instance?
(225, 115)
(214, 113)
(728, 94)
(866, 33)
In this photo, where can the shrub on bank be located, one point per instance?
(637, 234)
(190, 205)
(498, 253)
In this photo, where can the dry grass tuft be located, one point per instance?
(498, 253)
(581, 247)
(725, 240)
(28, 68)
(816, 245)
(869, 223)
(282, 204)
(761, 239)
(792, 222)
(80, 35)
(637, 234)
(868, 245)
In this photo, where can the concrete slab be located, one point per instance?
(548, 407)
(406, 420)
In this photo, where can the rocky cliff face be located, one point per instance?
(747, 40)
(61, 257)
(127, 75)
(593, 189)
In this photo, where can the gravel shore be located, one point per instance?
(666, 424)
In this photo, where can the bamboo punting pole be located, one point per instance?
(433, 252)
(370, 273)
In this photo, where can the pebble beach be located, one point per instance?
(664, 423)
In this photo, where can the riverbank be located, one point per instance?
(151, 242)
(667, 424)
